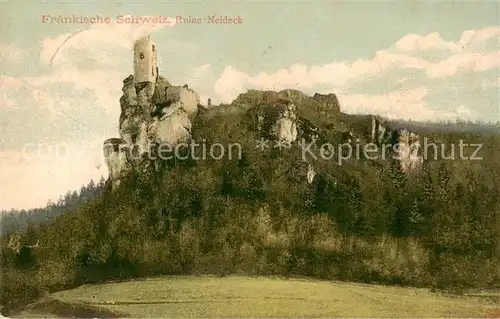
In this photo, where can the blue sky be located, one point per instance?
(413, 60)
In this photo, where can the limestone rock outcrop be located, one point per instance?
(159, 113)
(256, 97)
(311, 173)
(330, 101)
(379, 131)
(405, 144)
(151, 114)
(278, 122)
(277, 115)
(285, 129)
(408, 151)
(116, 151)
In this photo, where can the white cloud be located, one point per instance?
(468, 54)
(10, 53)
(474, 39)
(465, 113)
(46, 171)
(464, 62)
(44, 100)
(99, 40)
(469, 41)
(105, 84)
(9, 86)
(198, 72)
(408, 105)
(90, 61)
(231, 83)
(432, 41)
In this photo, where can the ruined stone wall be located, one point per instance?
(186, 96)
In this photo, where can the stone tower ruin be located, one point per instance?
(145, 61)
(145, 72)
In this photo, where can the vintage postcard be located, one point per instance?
(250, 159)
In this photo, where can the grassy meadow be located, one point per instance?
(243, 296)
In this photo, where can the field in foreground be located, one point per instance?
(207, 296)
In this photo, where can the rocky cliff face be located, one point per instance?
(330, 101)
(163, 114)
(285, 127)
(409, 151)
(151, 114)
(256, 97)
(116, 153)
(406, 144)
(281, 115)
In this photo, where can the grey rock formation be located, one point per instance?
(277, 122)
(380, 132)
(330, 101)
(311, 173)
(408, 151)
(171, 128)
(256, 97)
(16, 243)
(116, 152)
(151, 114)
(285, 128)
(406, 144)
